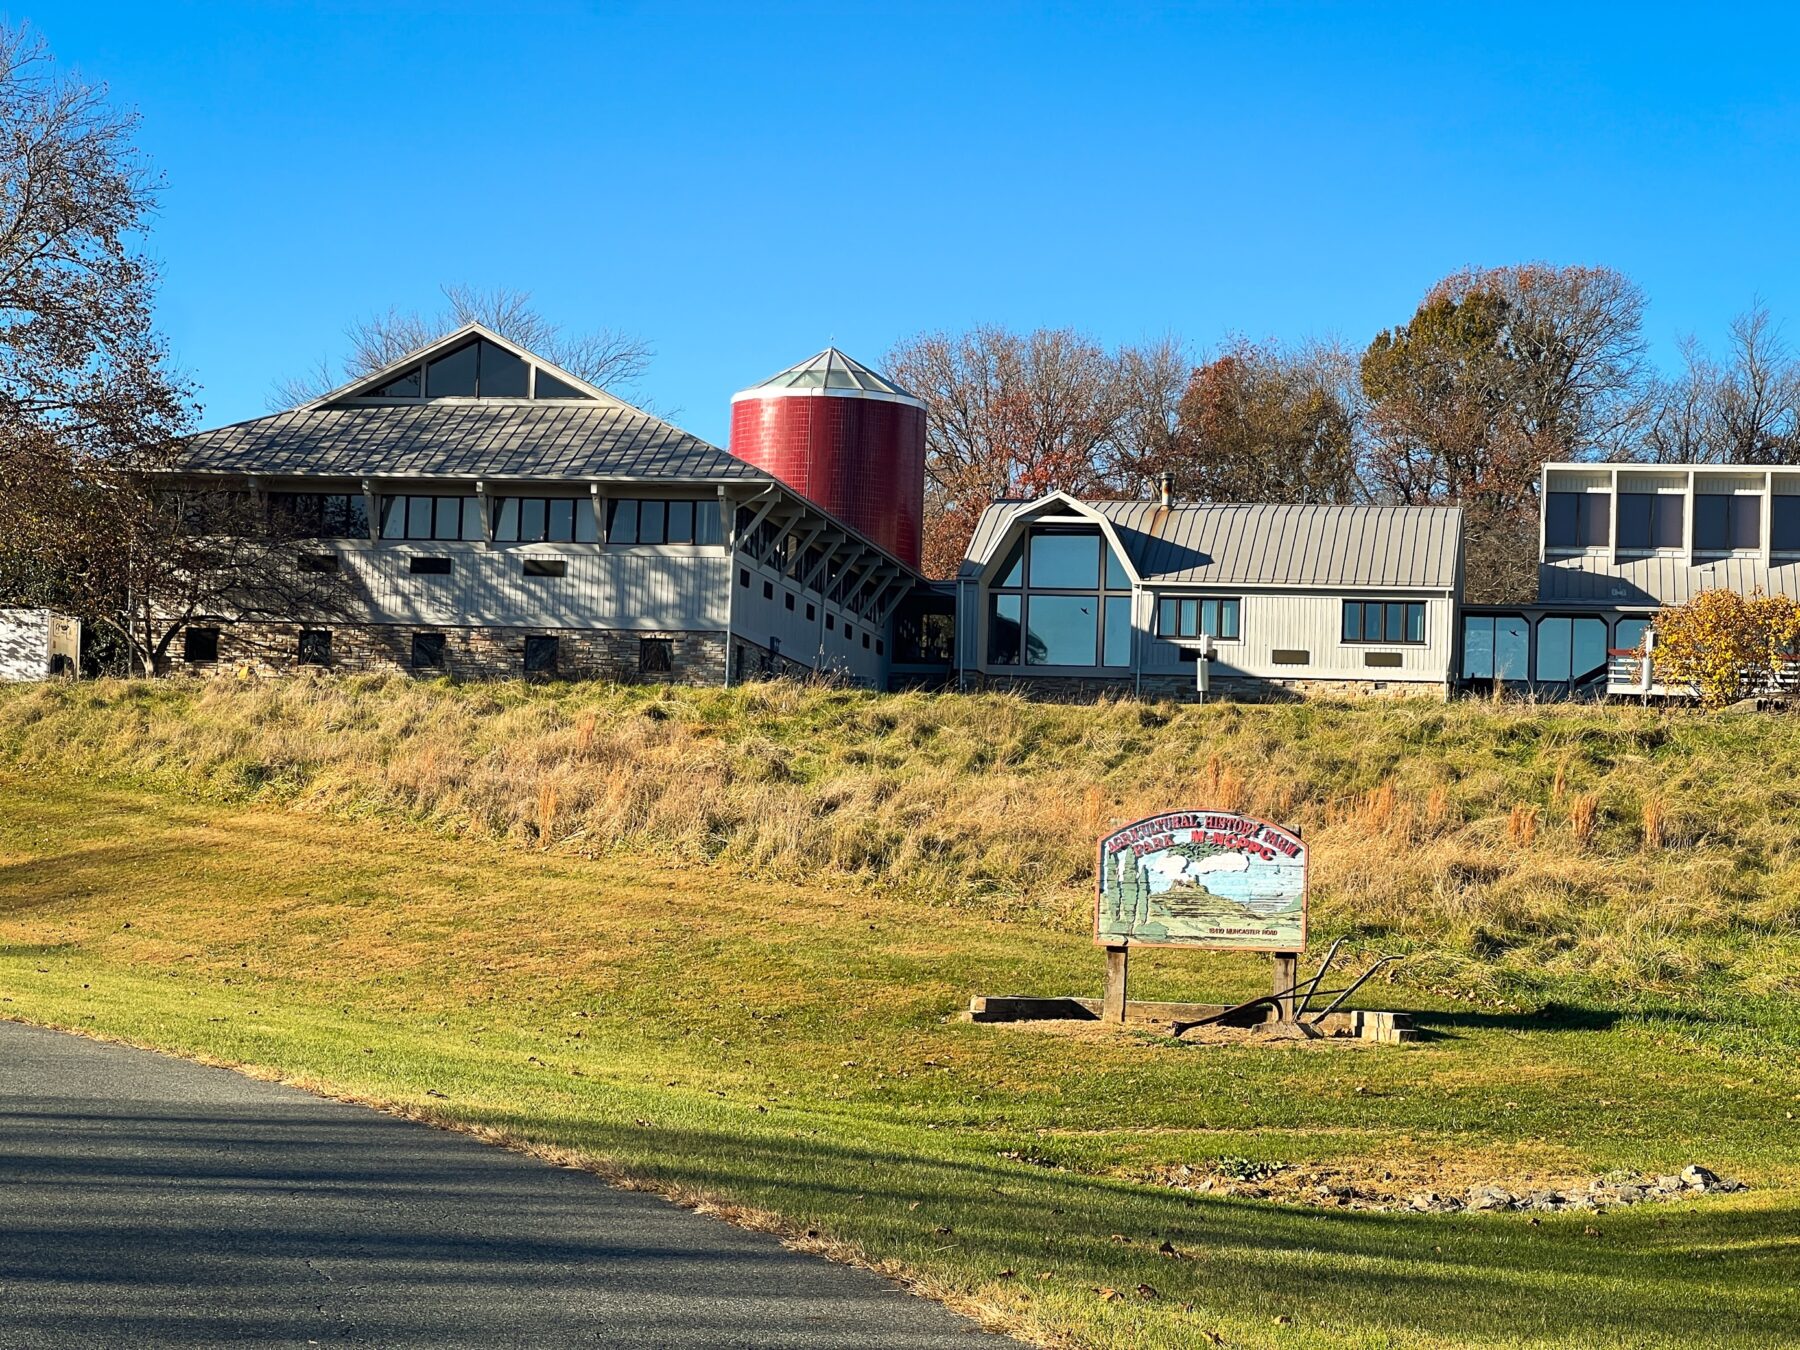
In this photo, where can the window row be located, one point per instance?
(1723, 521)
(567, 520)
(655, 655)
(1569, 649)
(1214, 618)
(1384, 621)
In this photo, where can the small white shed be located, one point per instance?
(36, 644)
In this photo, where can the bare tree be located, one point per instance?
(1757, 397)
(606, 358)
(86, 396)
(1745, 410)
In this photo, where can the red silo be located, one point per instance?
(844, 437)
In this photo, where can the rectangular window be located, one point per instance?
(865, 638)
(1064, 561)
(1062, 630)
(647, 521)
(428, 651)
(744, 576)
(540, 656)
(1004, 615)
(787, 598)
(200, 646)
(545, 520)
(1577, 519)
(314, 648)
(830, 623)
(1115, 646)
(546, 567)
(1727, 521)
(1495, 647)
(1284, 656)
(1649, 520)
(429, 567)
(1212, 616)
(319, 515)
(1385, 621)
(653, 523)
(656, 656)
(1784, 524)
(318, 562)
(431, 518)
(812, 613)
(1386, 659)
(768, 590)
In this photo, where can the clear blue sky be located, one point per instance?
(742, 184)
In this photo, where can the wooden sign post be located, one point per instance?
(1215, 880)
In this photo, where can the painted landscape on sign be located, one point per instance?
(1203, 879)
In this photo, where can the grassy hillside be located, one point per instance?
(712, 943)
(786, 1054)
(1504, 846)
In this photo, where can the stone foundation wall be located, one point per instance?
(469, 653)
(1180, 688)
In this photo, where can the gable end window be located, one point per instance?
(1390, 622)
(1061, 599)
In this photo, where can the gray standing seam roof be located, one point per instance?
(1398, 547)
(500, 440)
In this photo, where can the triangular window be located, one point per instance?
(401, 386)
(548, 386)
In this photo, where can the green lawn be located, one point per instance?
(790, 1056)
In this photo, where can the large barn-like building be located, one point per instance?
(492, 515)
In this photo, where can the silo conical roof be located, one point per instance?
(830, 372)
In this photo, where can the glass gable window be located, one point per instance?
(1181, 617)
(1060, 598)
(1577, 519)
(401, 386)
(431, 517)
(650, 520)
(540, 520)
(1384, 621)
(548, 386)
(1723, 522)
(1064, 561)
(319, 515)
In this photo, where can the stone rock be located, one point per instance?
(1699, 1178)
(1490, 1198)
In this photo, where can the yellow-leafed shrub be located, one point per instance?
(1725, 644)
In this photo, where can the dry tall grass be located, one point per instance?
(1423, 819)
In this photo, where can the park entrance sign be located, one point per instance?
(1214, 880)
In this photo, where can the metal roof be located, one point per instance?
(830, 372)
(1374, 547)
(468, 438)
(1660, 581)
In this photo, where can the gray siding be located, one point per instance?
(1313, 623)
(654, 589)
(758, 619)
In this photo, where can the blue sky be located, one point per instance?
(742, 184)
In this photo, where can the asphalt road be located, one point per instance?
(149, 1201)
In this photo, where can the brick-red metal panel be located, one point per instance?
(862, 459)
